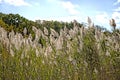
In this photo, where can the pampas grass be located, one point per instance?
(78, 53)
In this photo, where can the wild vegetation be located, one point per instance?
(52, 50)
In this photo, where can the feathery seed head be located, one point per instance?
(112, 23)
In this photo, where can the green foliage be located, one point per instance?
(90, 53)
(42, 41)
(16, 22)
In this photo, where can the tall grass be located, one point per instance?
(84, 56)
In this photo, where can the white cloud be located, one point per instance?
(71, 8)
(17, 2)
(102, 18)
(118, 9)
(36, 4)
(51, 0)
(116, 16)
(0, 0)
(117, 2)
(67, 5)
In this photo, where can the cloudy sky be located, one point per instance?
(100, 11)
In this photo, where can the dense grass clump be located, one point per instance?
(88, 63)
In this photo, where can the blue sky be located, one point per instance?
(100, 11)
